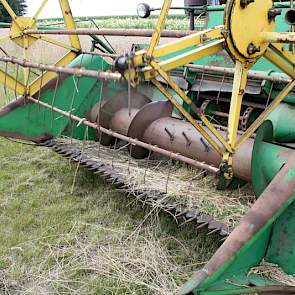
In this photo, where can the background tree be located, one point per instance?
(18, 6)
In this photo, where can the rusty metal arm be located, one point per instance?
(63, 70)
(112, 32)
(276, 37)
(275, 78)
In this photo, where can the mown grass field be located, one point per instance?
(62, 234)
(91, 240)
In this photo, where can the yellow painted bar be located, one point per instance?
(9, 10)
(189, 41)
(265, 114)
(188, 116)
(285, 54)
(4, 38)
(159, 28)
(187, 100)
(193, 55)
(69, 22)
(26, 57)
(279, 62)
(239, 86)
(40, 9)
(57, 43)
(35, 86)
(182, 43)
(11, 83)
(186, 58)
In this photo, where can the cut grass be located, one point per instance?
(191, 189)
(89, 242)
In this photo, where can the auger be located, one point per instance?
(219, 100)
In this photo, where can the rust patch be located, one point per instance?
(17, 135)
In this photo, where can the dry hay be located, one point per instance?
(190, 188)
(274, 273)
(114, 260)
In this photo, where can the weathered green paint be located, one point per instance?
(32, 120)
(235, 271)
(282, 245)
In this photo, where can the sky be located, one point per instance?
(94, 7)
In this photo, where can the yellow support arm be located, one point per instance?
(159, 28)
(11, 83)
(47, 76)
(195, 39)
(69, 22)
(40, 9)
(185, 58)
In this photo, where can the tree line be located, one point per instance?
(18, 6)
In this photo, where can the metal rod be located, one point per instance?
(112, 32)
(275, 37)
(132, 141)
(276, 78)
(101, 54)
(62, 70)
(192, 20)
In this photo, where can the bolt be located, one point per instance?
(252, 49)
(245, 3)
(273, 13)
(205, 38)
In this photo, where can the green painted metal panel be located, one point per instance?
(282, 245)
(32, 120)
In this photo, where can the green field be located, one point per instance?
(176, 22)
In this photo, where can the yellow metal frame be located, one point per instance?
(16, 34)
(207, 43)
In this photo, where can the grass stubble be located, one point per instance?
(91, 241)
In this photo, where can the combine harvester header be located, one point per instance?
(220, 100)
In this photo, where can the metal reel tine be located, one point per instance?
(114, 151)
(269, 95)
(169, 173)
(201, 84)
(129, 89)
(220, 89)
(53, 99)
(5, 79)
(129, 157)
(40, 87)
(80, 158)
(72, 105)
(147, 166)
(28, 78)
(16, 79)
(99, 143)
